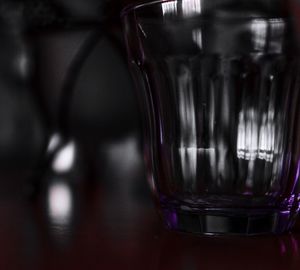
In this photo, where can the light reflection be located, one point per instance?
(259, 29)
(60, 202)
(142, 30)
(128, 149)
(54, 142)
(188, 144)
(65, 158)
(22, 63)
(247, 141)
(256, 141)
(197, 37)
(277, 28)
(169, 8)
(191, 7)
(222, 160)
(187, 7)
(267, 139)
(123, 162)
(297, 172)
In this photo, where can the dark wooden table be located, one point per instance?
(71, 225)
(106, 220)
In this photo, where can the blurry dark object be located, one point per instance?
(23, 130)
(64, 76)
(90, 64)
(103, 102)
(67, 13)
(85, 86)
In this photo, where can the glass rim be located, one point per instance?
(131, 7)
(128, 9)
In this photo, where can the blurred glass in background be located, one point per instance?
(69, 122)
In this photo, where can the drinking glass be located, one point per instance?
(219, 96)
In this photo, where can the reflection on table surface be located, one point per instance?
(100, 234)
(75, 223)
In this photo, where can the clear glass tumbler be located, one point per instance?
(219, 92)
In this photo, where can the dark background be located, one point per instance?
(73, 192)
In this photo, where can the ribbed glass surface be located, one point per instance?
(221, 101)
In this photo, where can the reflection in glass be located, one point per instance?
(60, 203)
(197, 37)
(54, 142)
(259, 29)
(247, 141)
(187, 7)
(169, 8)
(191, 7)
(277, 30)
(65, 158)
(187, 115)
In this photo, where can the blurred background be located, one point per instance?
(70, 137)
(68, 106)
(72, 178)
(65, 89)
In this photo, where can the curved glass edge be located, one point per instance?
(135, 6)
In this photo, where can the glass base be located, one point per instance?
(220, 221)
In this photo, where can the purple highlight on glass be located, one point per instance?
(171, 219)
